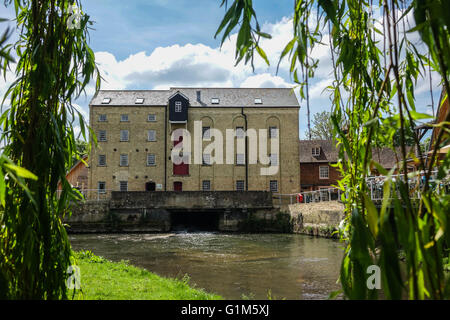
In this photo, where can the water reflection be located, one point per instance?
(232, 265)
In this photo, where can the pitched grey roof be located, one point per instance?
(228, 97)
(328, 151)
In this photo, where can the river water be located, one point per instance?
(232, 265)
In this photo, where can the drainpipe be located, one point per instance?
(246, 150)
(165, 148)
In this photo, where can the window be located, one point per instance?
(151, 118)
(258, 101)
(240, 133)
(206, 185)
(240, 185)
(273, 159)
(324, 172)
(151, 135)
(206, 133)
(101, 187)
(215, 100)
(102, 118)
(273, 132)
(178, 106)
(151, 159)
(123, 117)
(123, 185)
(124, 135)
(102, 160)
(316, 151)
(124, 160)
(240, 159)
(206, 159)
(106, 100)
(273, 185)
(139, 101)
(102, 135)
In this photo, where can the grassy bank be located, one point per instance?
(102, 279)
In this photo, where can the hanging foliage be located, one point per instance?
(54, 66)
(376, 68)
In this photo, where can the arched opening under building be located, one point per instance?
(150, 186)
(195, 221)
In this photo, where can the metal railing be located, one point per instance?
(324, 194)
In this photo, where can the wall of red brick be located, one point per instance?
(309, 176)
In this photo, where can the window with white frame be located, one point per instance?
(139, 101)
(273, 185)
(316, 151)
(102, 118)
(215, 100)
(206, 185)
(124, 160)
(240, 185)
(258, 101)
(273, 132)
(123, 117)
(240, 159)
(151, 118)
(206, 159)
(273, 159)
(206, 132)
(240, 133)
(102, 135)
(106, 100)
(102, 160)
(151, 135)
(324, 172)
(151, 159)
(123, 185)
(101, 186)
(178, 106)
(124, 135)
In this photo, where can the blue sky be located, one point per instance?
(156, 44)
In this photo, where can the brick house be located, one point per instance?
(316, 158)
(78, 175)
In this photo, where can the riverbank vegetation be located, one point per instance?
(102, 279)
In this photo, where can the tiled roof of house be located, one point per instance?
(228, 97)
(387, 157)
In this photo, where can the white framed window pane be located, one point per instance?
(106, 100)
(123, 117)
(240, 185)
(101, 187)
(206, 132)
(178, 106)
(102, 118)
(102, 135)
(206, 185)
(240, 158)
(123, 185)
(207, 159)
(124, 135)
(273, 185)
(215, 101)
(274, 159)
(102, 160)
(258, 101)
(139, 101)
(151, 117)
(123, 160)
(151, 159)
(151, 135)
(240, 133)
(273, 132)
(316, 151)
(324, 172)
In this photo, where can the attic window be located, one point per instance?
(106, 100)
(215, 100)
(316, 151)
(139, 101)
(258, 101)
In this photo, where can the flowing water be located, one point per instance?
(231, 265)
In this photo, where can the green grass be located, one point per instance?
(102, 279)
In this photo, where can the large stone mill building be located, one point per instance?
(134, 130)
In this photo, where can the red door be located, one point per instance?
(178, 186)
(181, 169)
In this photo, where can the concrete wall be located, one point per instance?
(317, 218)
